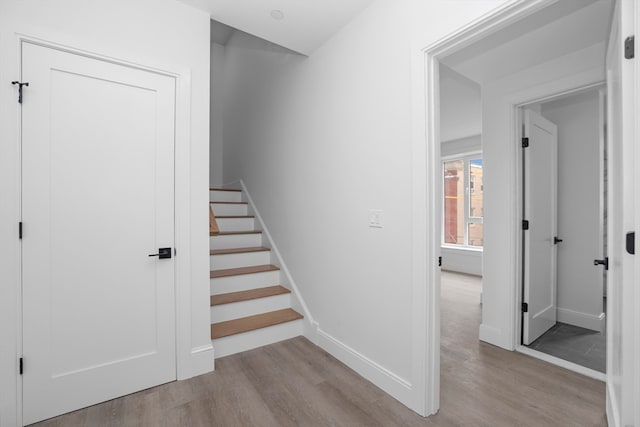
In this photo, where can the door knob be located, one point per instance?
(556, 240)
(163, 253)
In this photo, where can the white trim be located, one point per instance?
(584, 320)
(426, 220)
(579, 369)
(489, 334)
(613, 416)
(201, 361)
(391, 383)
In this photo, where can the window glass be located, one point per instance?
(475, 234)
(476, 189)
(454, 189)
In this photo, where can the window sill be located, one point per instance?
(462, 248)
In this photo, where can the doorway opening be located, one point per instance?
(563, 295)
(524, 57)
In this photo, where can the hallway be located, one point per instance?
(294, 383)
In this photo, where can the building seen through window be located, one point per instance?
(463, 201)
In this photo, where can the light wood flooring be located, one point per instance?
(294, 383)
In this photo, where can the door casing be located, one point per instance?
(427, 194)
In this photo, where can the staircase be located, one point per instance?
(249, 306)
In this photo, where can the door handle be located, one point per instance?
(556, 240)
(631, 243)
(604, 262)
(163, 253)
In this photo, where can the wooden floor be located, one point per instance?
(294, 383)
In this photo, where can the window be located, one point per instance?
(463, 201)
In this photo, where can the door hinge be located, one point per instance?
(525, 307)
(631, 243)
(525, 142)
(20, 230)
(21, 363)
(439, 261)
(20, 84)
(525, 224)
(630, 47)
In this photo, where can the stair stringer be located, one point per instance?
(310, 326)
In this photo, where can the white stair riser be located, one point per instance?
(235, 241)
(236, 224)
(222, 313)
(244, 282)
(260, 337)
(222, 209)
(222, 262)
(225, 196)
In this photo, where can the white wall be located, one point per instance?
(501, 157)
(471, 144)
(468, 261)
(160, 33)
(460, 106)
(579, 223)
(216, 123)
(321, 140)
(318, 142)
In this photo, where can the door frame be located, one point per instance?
(427, 195)
(182, 237)
(517, 127)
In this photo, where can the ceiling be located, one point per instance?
(305, 25)
(565, 27)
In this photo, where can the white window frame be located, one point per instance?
(466, 159)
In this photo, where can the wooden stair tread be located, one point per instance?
(248, 295)
(242, 270)
(232, 233)
(251, 323)
(227, 203)
(224, 189)
(238, 250)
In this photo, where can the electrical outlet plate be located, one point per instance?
(375, 218)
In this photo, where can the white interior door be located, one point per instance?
(623, 298)
(97, 200)
(540, 209)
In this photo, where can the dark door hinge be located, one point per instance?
(631, 243)
(525, 142)
(630, 47)
(525, 307)
(439, 261)
(20, 230)
(525, 224)
(21, 366)
(20, 84)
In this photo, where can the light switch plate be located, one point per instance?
(376, 218)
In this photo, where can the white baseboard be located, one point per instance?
(202, 362)
(584, 320)
(492, 336)
(389, 382)
(587, 372)
(613, 417)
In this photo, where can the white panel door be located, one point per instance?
(540, 209)
(97, 200)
